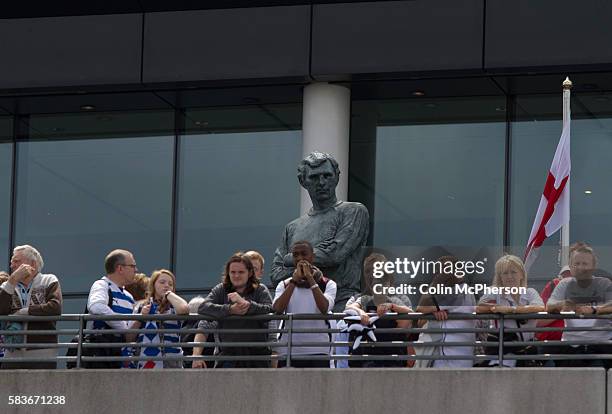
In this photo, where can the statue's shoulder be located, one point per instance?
(352, 206)
(295, 222)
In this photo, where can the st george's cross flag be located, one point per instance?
(554, 209)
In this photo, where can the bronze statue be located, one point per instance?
(336, 229)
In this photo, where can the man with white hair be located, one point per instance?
(30, 292)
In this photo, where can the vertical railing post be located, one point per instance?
(289, 339)
(80, 342)
(500, 359)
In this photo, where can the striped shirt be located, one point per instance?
(97, 304)
(165, 338)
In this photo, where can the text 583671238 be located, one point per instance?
(36, 399)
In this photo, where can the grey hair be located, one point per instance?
(195, 303)
(31, 254)
(315, 159)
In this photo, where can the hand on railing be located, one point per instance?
(440, 315)
(200, 363)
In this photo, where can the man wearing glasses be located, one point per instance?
(107, 296)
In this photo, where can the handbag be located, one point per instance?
(96, 352)
(516, 350)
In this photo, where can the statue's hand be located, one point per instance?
(325, 244)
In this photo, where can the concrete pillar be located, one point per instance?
(325, 127)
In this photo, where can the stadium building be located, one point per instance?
(173, 129)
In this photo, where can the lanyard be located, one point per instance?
(24, 294)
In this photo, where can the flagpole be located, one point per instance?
(554, 209)
(565, 230)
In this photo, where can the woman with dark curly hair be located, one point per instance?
(239, 293)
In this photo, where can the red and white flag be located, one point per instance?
(554, 209)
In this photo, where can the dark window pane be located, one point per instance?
(78, 199)
(238, 186)
(438, 177)
(6, 165)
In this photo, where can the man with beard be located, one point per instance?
(583, 294)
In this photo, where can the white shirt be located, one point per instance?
(531, 297)
(97, 302)
(302, 301)
(454, 304)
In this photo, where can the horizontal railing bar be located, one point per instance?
(299, 344)
(364, 357)
(39, 345)
(22, 332)
(316, 316)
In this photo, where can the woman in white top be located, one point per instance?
(510, 273)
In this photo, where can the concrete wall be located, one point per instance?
(478, 391)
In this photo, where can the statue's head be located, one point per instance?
(319, 173)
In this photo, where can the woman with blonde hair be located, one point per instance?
(160, 299)
(510, 273)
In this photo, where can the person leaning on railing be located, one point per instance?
(30, 292)
(240, 293)
(160, 299)
(440, 306)
(259, 265)
(307, 291)
(189, 337)
(3, 278)
(380, 304)
(583, 294)
(510, 272)
(108, 296)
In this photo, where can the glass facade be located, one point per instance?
(438, 175)
(185, 187)
(6, 163)
(535, 134)
(180, 189)
(82, 196)
(461, 172)
(237, 187)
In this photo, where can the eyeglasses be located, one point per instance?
(125, 264)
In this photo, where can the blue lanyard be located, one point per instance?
(24, 293)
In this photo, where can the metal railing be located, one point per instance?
(338, 346)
